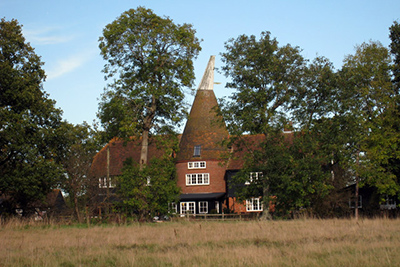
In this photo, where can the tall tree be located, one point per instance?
(265, 78)
(77, 152)
(395, 50)
(367, 98)
(150, 60)
(319, 125)
(28, 121)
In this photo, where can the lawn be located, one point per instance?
(306, 242)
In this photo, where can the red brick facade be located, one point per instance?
(216, 173)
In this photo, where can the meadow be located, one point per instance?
(303, 242)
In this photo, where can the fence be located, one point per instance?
(220, 217)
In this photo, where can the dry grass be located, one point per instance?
(299, 242)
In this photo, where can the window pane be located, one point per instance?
(255, 204)
(206, 180)
(203, 207)
(191, 207)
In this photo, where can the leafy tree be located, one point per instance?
(275, 85)
(28, 122)
(315, 112)
(146, 192)
(367, 100)
(266, 78)
(395, 50)
(77, 152)
(393, 117)
(150, 60)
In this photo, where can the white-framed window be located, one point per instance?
(197, 165)
(254, 176)
(188, 207)
(203, 207)
(352, 202)
(103, 183)
(390, 203)
(173, 208)
(197, 151)
(254, 204)
(197, 179)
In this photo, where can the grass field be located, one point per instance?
(205, 243)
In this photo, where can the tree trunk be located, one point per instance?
(265, 215)
(144, 150)
(147, 123)
(78, 216)
(357, 187)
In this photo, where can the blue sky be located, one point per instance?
(65, 34)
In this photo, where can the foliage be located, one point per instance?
(265, 78)
(269, 82)
(80, 146)
(345, 122)
(369, 112)
(395, 50)
(148, 191)
(150, 60)
(28, 122)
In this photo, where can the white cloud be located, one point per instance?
(47, 36)
(69, 64)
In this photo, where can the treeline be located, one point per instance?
(345, 122)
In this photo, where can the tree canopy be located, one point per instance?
(28, 121)
(76, 154)
(343, 122)
(265, 78)
(149, 59)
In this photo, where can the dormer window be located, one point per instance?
(197, 150)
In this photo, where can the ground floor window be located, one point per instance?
(254, 204)
(390, 203)
(173, 208)
(188, 208)
(103, 183)
(353, 202)
(203, 207)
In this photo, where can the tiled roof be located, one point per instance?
(247, 143)
(203, 128)
(242, 147)
(121, 150)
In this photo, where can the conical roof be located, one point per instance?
(204, 128)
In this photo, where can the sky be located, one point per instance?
(65, 34)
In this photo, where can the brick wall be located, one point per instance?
(216, 176)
